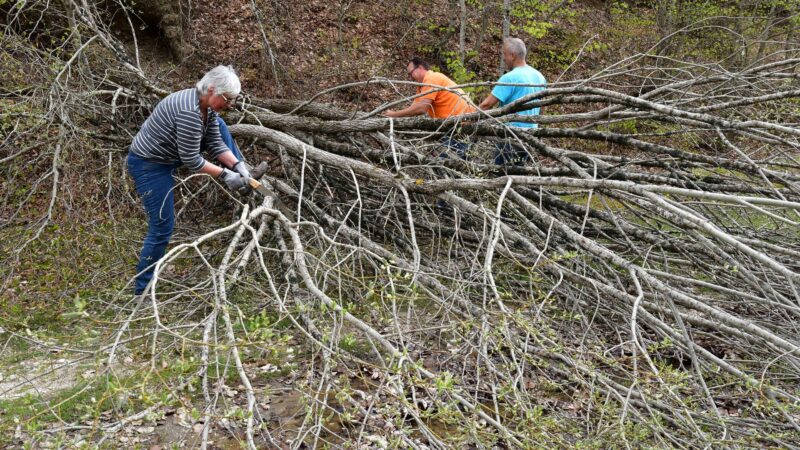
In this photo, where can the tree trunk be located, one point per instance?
(762, 45)
(462, 33)
(482, 29)
(665, 21)
(506, 29)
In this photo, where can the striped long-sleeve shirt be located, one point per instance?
(174, 132)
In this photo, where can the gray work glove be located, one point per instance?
(233, 180)
(241, 168)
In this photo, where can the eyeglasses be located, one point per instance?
(411, 72)
(228, 101)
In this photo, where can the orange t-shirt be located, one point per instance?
(445, 103)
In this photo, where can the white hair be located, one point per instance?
(516, 47)
(223, 79)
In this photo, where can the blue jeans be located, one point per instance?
(454, 145)
(228, 139)
(155, 185)
(506, 153)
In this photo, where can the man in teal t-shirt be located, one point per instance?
(514, 53)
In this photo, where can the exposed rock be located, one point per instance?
(166, 17)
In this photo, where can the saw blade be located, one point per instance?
(256, 185)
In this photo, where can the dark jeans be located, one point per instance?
(228, 139)
(454, 145)
(506, 153)
(155, 184)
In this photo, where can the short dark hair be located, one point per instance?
(417, 61)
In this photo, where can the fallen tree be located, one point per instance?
(636, 281)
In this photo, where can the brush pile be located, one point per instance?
(635, 282)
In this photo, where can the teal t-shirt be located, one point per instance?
(507, 94)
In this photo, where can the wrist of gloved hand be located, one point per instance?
(241, 168)
(233, 180)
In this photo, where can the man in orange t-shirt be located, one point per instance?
(437, 103)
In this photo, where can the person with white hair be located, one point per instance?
(182, 126)
(520, 81)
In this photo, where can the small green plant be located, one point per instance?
(444, 382)
(348, 342)
(260, 326)
(532, 13)
(458, 71)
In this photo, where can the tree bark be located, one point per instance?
(462, 31)
(506, 30)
